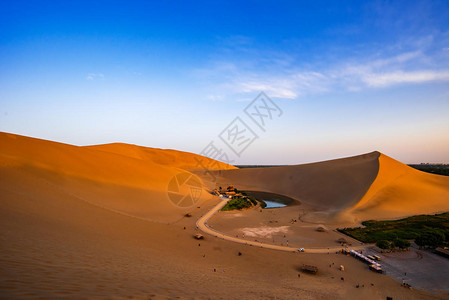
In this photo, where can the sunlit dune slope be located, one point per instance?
(400, 190)
(167, 157)
(58, 241)
(134, 180)
(370, 186)
(132, 186)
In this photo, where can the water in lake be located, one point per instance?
(272, 204)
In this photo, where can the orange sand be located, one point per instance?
(124, 178)
(400, 190)
(349, 190)
(95, 222)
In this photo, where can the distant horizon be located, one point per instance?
(244, 164)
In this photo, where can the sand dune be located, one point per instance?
(400, 190)
(134, 180)
(166, 157)
(78, 222)
(124, 178)
(352, 189)
(325, 186)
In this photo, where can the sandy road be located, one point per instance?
(202, 225)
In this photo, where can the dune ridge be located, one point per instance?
(349, 190)
(80, 222)
(327, 185)
(166, 157)
(113, 177)
(400, 190)
(134, 180)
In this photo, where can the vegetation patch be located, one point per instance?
(261, 196)
(426, 230)
(247, 199)
(439, 169)
(238, 203)
(254, 200)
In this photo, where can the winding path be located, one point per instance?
(202, 225)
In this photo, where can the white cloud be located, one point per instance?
(215, 97)
(284, 79)
(282, 90)
(93, 76)
(397, 59)
(398, 77)
(288, 86)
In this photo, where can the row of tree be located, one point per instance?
(397, 243)
(431, 238)
(428, 238)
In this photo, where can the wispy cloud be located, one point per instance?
(286, 80)
(397, 77)
(287, 86)
(404, 68)
(93, 76)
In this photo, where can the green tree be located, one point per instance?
(432, 238)
(383, 244)
(446, 235)
(402, 243)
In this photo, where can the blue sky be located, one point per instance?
(350, 77)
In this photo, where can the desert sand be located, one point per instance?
(96, 222)
(349, 190)
(132, 182)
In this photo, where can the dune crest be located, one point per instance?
(166, 157)
(328, 185)
(400, 191)
(350, 190)
(122, 183)
(145, 182)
